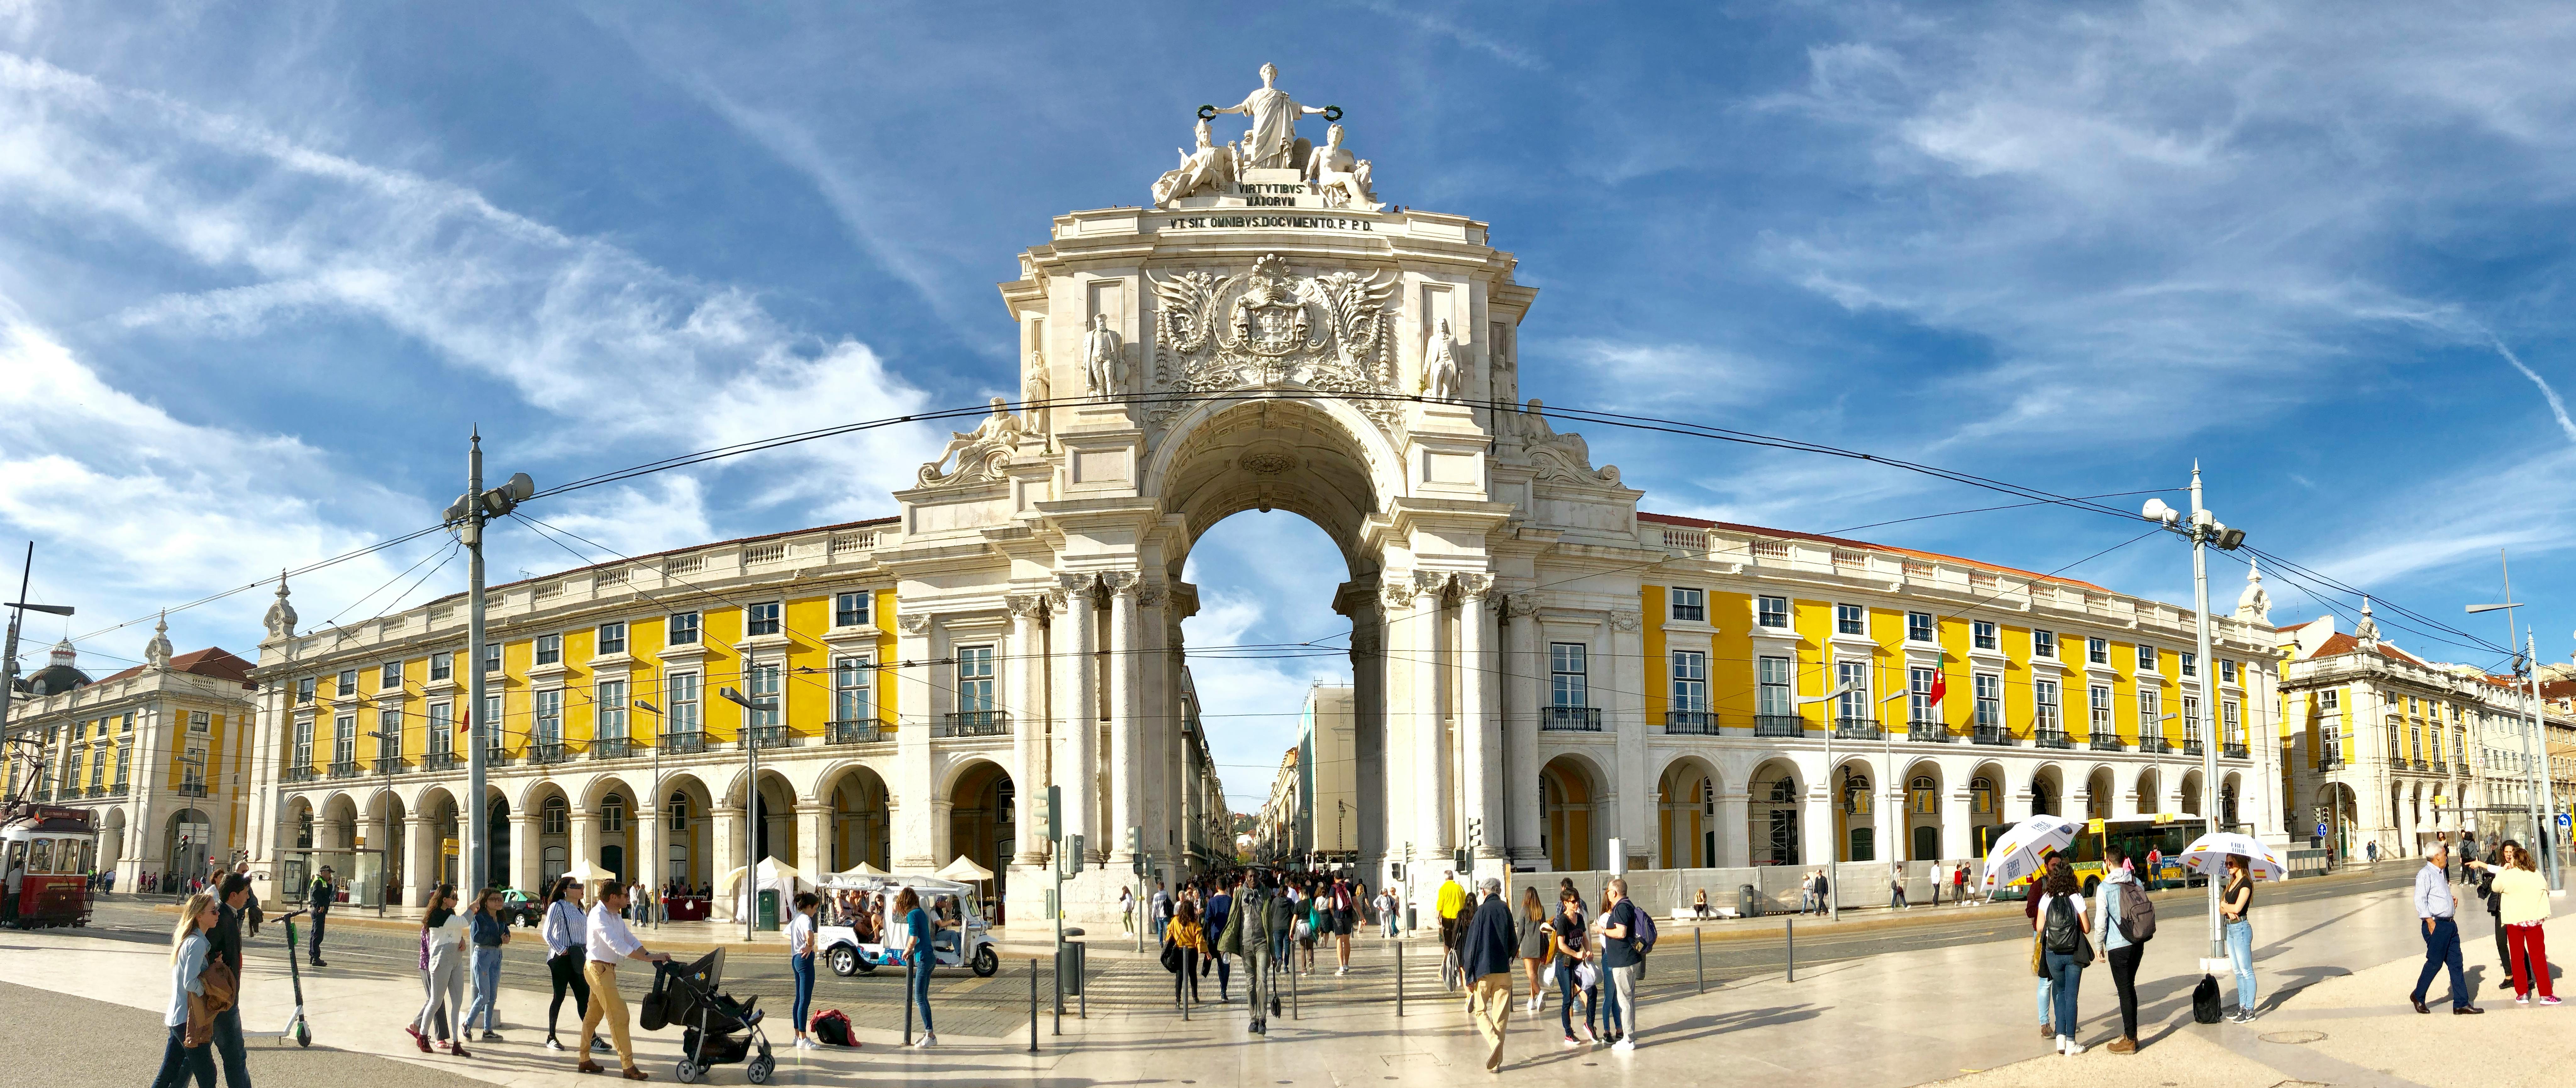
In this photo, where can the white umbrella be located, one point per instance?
(964, 871)
(587, 873)
(2207, 855)
(2018, 852)
(863, 870)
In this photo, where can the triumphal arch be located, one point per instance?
(1267, 333)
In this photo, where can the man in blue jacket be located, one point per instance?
(1485, 958)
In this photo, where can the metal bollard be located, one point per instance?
(1181, 988)
(1399, 978)
(1292, 990)
(907, 1003)
(1058, 959)
(1033, 1005)
(1792, 928)
(1699, 951)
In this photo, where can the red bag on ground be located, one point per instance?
(830, 1028)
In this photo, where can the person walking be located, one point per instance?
(800, 964)
(250, 911)
(609, 940)
(566, 933)
(1896, 885)
(2517, 884)
(1450, 901)
(1485, 956)
(2155, 868)
(1221, 928)
(489, 931)
(1162, 907)
(1959, 883)
(2236, 912)
(1126, 909)
(2437, 910)
(443, 937)
(2111, 920)
(1623, 956)
(917, 939)
(2030, 912)
(1386, 911)
(1939, 876)
(1188, 939)
(1537, 947)
(2064, 949)
(226, 944)
(1253, 913)
(1571, 941)
(319, 899)
(191, 957)
(1345, 918)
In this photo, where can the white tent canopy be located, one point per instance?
(964, 871)
(588, 873)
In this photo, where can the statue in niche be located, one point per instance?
(1103, 358)
(1210, 168)
(1274, 122)
(980, 453)
(1342, 178)
(1441, 375)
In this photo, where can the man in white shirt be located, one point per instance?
(609, 942)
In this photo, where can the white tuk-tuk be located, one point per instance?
(966, 940)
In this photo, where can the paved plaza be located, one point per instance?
(1897, 1011)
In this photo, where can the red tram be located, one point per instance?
(45, 851)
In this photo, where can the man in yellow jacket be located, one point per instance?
(1452, 904)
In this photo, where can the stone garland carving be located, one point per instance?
(1626, 621)
(982, 454)
(1557, 456)
(1397, 595)
(1518, 605)
(1270, 328)
(913, 623)
(1151, 595)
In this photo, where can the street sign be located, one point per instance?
(2321, 831)
(2562, 819)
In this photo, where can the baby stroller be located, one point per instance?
(715, 1028)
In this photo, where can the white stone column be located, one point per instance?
(1734, 827)
(1522, 696)
(725, 844)
(1076, 712)
(1420, 639)
(814, 839)
(1155, 700)
(649, 861)
(1482, 782)
(584, 839)
(425, 863)
(1626, 718)
(1023, 678)
(1126, 744)
(525, 864)
(915, 833)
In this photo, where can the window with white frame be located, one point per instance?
(2191, 717)
(489, 727)
(491, 657)
(683, 627)
(2330, 700)
(344, 738)
(348, 684)
(975, 679)
(441, 738)
(1918, 627)
(610, 698)
(1771, 611)
(1771, 691)
(1689, 605)
(389, 730)
(2190, 663)
(1690, 681)
(2043, 644)
(2151, 708)
(558, 817)
(760, 618)
(1852, 678)
(680, 692)
(852, 684)
(2097, 651)
(762, 678)
(2043, 697)
(1569, 679)
(612, 814)
(549, 649)
(389, 678)
(2229, 721)
(442, 665)
(2146, 658)
(1918, 703)
(1989, 695)
(850, 609)
(125, 759)
(1851, 619)
(1981, 634)
(2226, 671)
(199, 721)
(547, 711)
(304, 691)
(612, 637)
(677, 809)
(2101, 711)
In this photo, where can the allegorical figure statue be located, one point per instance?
(1209, 168)
(974, 450)
(1441, 375)
(1103, 357)
(1342, 178)
(1274, 122)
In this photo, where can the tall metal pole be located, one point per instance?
(478, 858)
(9, 663)
(750, 810)
(2543, 806)
(2200, 533)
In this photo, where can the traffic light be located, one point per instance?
(1136, 848)
(1072, 855)
(1046, 812)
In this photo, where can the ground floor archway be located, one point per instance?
(1569, 799)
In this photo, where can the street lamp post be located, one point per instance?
(385, 785)
(1833, 799)
(750, 797)
(2535, 735)
(467, 516)
(18, 610)
(660, 730)
(2204, 530)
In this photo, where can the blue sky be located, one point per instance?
(262, 265)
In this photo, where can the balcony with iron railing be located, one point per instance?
(1857, 729)
(611, 747)
(1921, 731)
(765, 736)
(1989, 734)
(188, 789)
(299, 773)
(2106, 742)
(2235, 749)
(687, 743)
(859, 731)
(439, 761)
(1570, 719)
(344, 768)
(1779, 725)
(2154, 745)
(2329, 763)
(1691, 723)
(2422, 766)
(974, 723)
(2191, 747)
(547, 751)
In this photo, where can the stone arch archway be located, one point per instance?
(1857, 793)
(862, 831)
(1570, 794)
(1987, 791)
(982, 802)
(1775, 813)
(688, 830)
(1922, 817)
(1687, 825)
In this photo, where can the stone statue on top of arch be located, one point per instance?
(1272, 140)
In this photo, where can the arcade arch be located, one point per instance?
(1687, 814)
(1570, 800)
(1774, 814)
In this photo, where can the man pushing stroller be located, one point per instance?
(609, 942)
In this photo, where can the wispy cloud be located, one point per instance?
(2557, 407)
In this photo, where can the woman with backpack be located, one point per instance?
(1572, 939)
(1184, 941)
(2064, 947)
(2120, 894)
(1535, 943)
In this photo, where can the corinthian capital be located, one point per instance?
(1474, 586)
(1122, 581)
(1397, 595)
(1521, 604)
(1023, 604)
(1152, 594)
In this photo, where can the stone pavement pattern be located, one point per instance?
(80, 1043)
(1906, 1017)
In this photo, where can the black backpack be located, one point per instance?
(2204, 1000)
(831, 1028)
(2063, 933)
(2137, 913)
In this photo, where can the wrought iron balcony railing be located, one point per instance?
(187, 789)
(766, 736)
(1857, 729)
(1695, 723)
(2106, 742)
(548, 751)
(2235, 749)
(2191, 748)
(299, 774)
(2154, 744)
(861, 731)
(974, 723)
(344, 768)
(684, 744)
(1989, 734)
(439, 761)
(611, 747)
(1927, 732)
(1779, 725)
(1575, 719)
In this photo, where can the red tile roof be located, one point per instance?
(214, 661)
(1697, 523)
(2341, 643)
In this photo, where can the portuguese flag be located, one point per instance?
(1940, 681)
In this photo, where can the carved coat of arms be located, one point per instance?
(1272, 328)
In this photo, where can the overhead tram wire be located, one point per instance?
(357, 553)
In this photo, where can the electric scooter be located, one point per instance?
(297, 1027)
